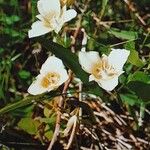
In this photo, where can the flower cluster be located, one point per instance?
(104, 70)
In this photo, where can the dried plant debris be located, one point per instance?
(113, 128)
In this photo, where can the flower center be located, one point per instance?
(103, 70)
(50, 20)
(50, 79)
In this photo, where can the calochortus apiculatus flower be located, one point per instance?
(52, 75)
(51, 17)
(105, 70)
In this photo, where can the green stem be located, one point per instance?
(26, 101)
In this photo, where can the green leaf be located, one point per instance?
(23, 111)
(139, 76)
(29, 125)
(123, 34)
(70, 59)
(92, 88)
(133, 58)
(104, 4)
(91, 44)
(50, 120)
(23, 74)
(26, 101)
(15, 18)
(130, 99)
(141, 89)
(48, 132)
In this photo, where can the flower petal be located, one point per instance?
(58, 27)
(118, 57)
(40, 17)
(69, 14)
(36, 88)
(63, 76)
(38, 29)
(52, 64)
(110, 84)
(46, 7)
(87, 59)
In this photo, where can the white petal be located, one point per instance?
(92, 78)
(63, 76)
(46, 7)
(87, 59)
(35, 88)
(40, 17)
(58, 27)
(69, 14)
(110, 84)
(118, 57)
(38, 29)
(51, 64)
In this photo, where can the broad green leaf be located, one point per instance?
(130, 45)
(139, 76)
(29, 125)
(23, 112)
(92, 88)
(130, 99)
(134, 58)
(47, 112)
(48, 132)
(141, 89)
(123, 34)
(26, 101)
(50, 120)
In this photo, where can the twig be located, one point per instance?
(58, 119)
(72, 135)
(122, 42)
(132, 8)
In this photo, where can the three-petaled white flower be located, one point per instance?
(105, 70)
(51, 17)
(52, 75)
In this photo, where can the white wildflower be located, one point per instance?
(52, 75)
(105, 70)
(51, 17)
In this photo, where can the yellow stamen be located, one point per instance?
(50, 79)
(102, 68)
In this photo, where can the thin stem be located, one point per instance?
(58, 119)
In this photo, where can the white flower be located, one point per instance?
(105, 70)
(52, 75)
(51, 17)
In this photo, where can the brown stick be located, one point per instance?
(58, 119)
(132, 8)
